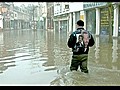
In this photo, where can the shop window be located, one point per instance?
(77, 16)
(66, 6)
(91, 20)
(104, 21)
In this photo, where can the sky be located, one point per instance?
(25, 3)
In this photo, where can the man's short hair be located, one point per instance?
(80, 23)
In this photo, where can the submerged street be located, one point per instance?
(42, 57)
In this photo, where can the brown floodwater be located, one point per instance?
(42, 58)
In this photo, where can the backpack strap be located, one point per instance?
(72, 40)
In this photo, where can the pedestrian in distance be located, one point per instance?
(79, 41)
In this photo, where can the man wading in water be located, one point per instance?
(80, 41)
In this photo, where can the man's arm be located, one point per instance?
(71, 41)
(91, 41)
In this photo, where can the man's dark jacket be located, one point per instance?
(72, 40)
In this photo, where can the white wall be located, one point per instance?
(44, 9)
(57, 8)
(73, 7)
(76, 6)
(1, 21)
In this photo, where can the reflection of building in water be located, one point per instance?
(97, 50)
(62, 56)
(50, 51)
(1, 43)
(105, 52)
(1, 38)
(114, 53)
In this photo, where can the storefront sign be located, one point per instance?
(93, 5)
(104, 17)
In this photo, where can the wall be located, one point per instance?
(76, 6)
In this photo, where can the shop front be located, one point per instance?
(77, 16)
(92, 15)
(104, 21)
(91, 20)
(61, 22)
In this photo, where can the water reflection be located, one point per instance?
(97, 49)
(115, 49)
(50, 51)
(103, 65)
(115, 54)
(1, 38)
(106, 54)
(45, 56)
(62, 53)
(103, 52)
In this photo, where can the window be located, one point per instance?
(66, 6)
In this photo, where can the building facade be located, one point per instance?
(66, 14)
(61, 16)
(21, 18)
(14, 17)
(94, 14)
(97, 20)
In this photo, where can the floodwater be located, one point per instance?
(42, 58)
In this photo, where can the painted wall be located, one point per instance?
(76, 6)
(1, 21)
(73, 7)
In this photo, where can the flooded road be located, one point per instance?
(40, 57)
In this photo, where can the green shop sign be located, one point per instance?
(93, 4)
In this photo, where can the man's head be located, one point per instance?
(80, 23)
